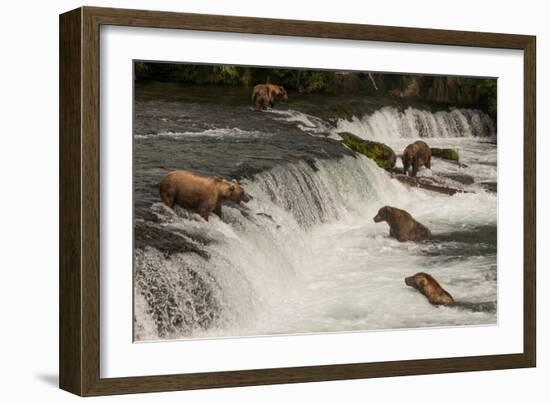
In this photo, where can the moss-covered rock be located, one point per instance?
(445, 153)
(378, 152)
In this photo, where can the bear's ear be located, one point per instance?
(231, 187)
(234, 181)
(423, 281)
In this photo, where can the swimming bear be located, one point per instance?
(200, 193)
(416, 155)
(264, 95)
(402, 226)
(430, 288)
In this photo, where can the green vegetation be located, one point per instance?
(445, 153)
(301, 80)
(378, 152)
(468, 91)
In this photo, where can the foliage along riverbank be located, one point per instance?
(480, 93)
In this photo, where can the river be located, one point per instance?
(304, 255)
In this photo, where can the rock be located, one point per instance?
(380, 153)
(465, 179)
(168, 242)
(445, 153)
(489, 186)
(397, 170)
(427, 184)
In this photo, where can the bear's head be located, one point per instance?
(383, 214)
(281, 93)
(235, 193)
(419, 281)
(429, 286)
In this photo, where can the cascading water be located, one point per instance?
(304, 255)
(470, 132)
(306, 229)
(389, 123)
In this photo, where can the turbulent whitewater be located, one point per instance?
(304, 255)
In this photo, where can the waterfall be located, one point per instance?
(390, 123)
(241, 272)
(254, 253)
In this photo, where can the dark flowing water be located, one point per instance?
(304, 255)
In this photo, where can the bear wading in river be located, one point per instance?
(200, 193)
(264, 95)
(416, 155)
(430, 288)
(402, 226)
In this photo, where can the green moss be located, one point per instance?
(378, 152)
(445, 153)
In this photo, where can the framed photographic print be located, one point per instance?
(249, 201)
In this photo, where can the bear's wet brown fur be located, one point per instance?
(200, 193)
(430, 288)
(403, 226)
(264, 95)
(416, 155)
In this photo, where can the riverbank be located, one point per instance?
(479, 93)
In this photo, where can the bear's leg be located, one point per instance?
(397, 234)
(264, 102)
(257, 103)
(168, 198)
(429, 163)
(218, 210)
(204, 210)
(415, 169)
(401, 237)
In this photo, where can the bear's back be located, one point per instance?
(193, 187)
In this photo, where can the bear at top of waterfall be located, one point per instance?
(204, 194)
(416, 155)
(430, 288)
(264, 95)
(403, 226)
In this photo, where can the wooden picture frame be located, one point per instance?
(79, 348)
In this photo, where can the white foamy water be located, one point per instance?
(470, 132)
(233, 132)
(389, 123)
(307, 123)
(349, 275)
(306, 256)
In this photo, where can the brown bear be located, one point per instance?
(430, 288)
(264, 95)
(402, 226)
(200, 193)
(416, 155)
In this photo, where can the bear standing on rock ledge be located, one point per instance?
(416, 155)
(201, 193)
(264, 95)
(402, 226)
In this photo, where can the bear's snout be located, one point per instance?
(377, 218)
(409, 281)
(246, 198)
